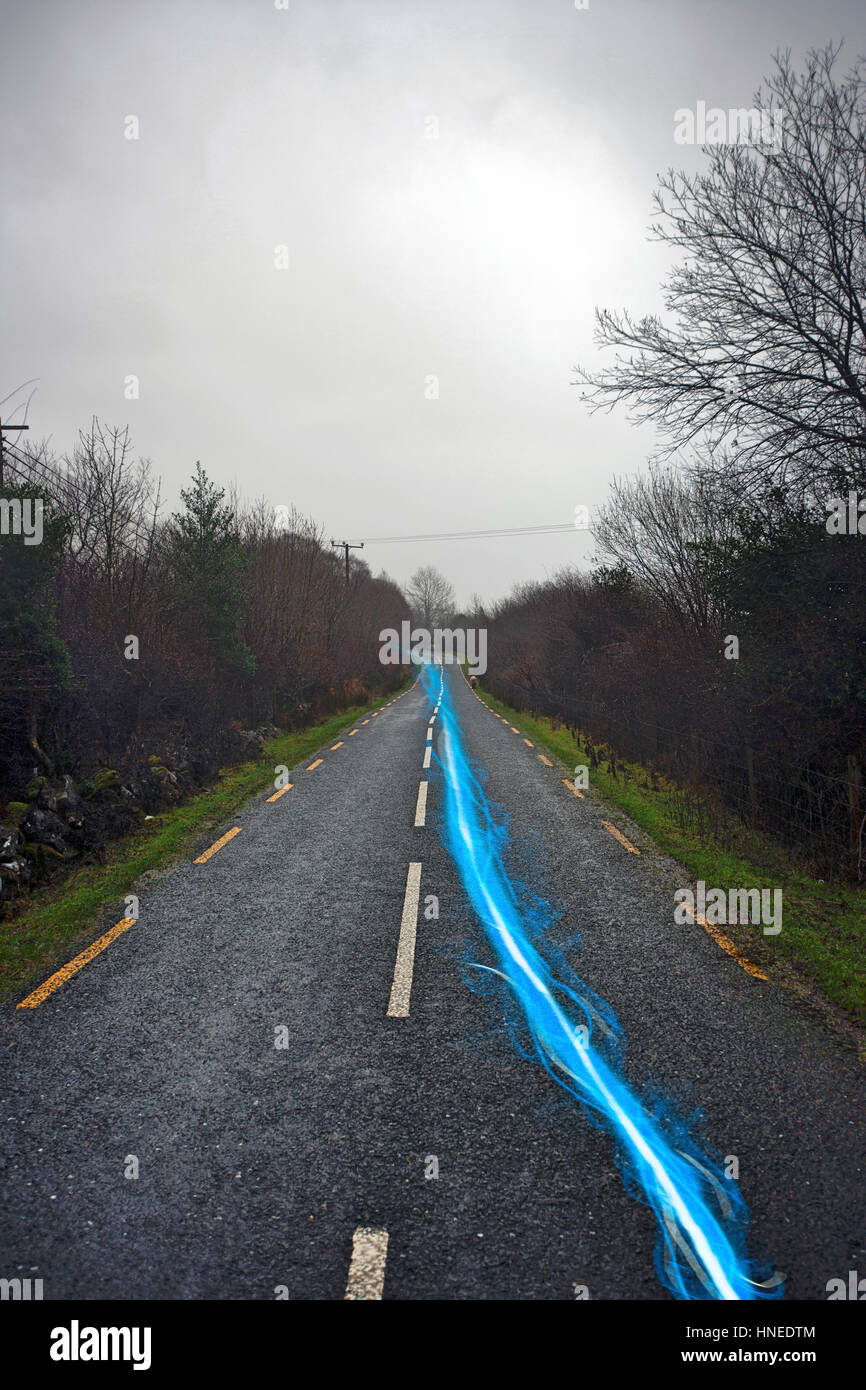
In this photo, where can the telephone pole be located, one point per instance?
(347, 547)
(3, 428)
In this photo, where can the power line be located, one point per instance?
(553, 528)
(475, 535)
(493, 533)
(346, 547)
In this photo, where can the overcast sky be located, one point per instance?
(458, 185)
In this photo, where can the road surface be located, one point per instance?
(292, 1138)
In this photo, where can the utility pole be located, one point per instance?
(2, 429)
(347, 547)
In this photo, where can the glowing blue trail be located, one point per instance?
(697, 1257)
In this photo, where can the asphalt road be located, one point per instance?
(258, 1163)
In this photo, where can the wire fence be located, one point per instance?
(714, 785)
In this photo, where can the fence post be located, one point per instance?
(854, 816)
(753, 800)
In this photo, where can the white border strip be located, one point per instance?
(401, 989)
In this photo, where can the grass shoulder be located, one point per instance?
(821, 949)
(58, 920)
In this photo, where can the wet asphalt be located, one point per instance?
(257, 1162)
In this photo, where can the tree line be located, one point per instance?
(127, 632)
(721, 638)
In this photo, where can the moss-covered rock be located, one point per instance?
(103, 782)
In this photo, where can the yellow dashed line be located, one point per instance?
(317, 763)
(546, 761)
(375, 714)
(353, 733)
(725, 942)
(229, 835)
(514, 731)
(618, 835)
(55, 981)
(276, 796)
(365, 721)
(572, 788)
(528, 744)
(335, 746)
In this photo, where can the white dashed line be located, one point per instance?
(401, 989)
(421, 807)
(427, 751)
(367, 1266)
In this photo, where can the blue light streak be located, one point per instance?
(702, 1217)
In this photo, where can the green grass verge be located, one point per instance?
(822, 944)
(59, 919)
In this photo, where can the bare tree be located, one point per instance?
(112, 503)
(654, 525)
(431, 597)
(768, 348)
(477, 609)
